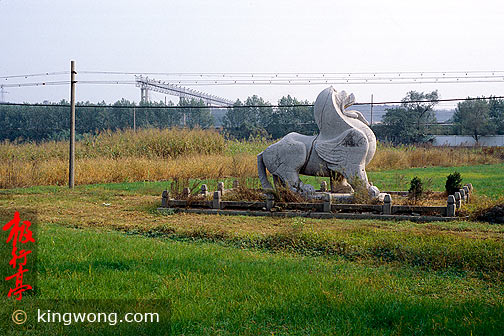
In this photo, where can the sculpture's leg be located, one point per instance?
(261, 168)
(287, 179)
(357, 178)
(278, 182)
(284, 160)
(339, 183)
(291, 178)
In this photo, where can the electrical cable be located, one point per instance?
(36, 75)
(249, 106)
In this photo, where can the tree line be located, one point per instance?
(38, 123)
(413, 122)
(252, 118)
(257, 118)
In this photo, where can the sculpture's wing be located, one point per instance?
(349, 149)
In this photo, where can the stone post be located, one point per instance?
(270, 201)
(220, 187)
(204, 190)
(462, 195)
(323, 186)
(466, 189)
(450, 206)
(216, 202)
(458, 201)
(327, 202)
(387, 205)
(165, 197)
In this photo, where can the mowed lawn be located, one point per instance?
(263, 276)
(223, 290)
(486, 179)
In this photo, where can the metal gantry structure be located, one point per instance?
(147, 84)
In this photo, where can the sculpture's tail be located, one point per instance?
(261, 170)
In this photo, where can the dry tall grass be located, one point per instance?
(147, 143)
(166, 154)
(387, 157)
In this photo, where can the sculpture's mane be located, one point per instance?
(329, 112)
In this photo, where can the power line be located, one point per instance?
(249, 79)
(280, 74)
(270, 83)
(247, 106)
(14, 85)
(379, 75)
(286, 82)
(35, 75)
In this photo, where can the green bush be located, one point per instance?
(416, 188)
(453, 183)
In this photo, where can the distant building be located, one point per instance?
(467, 140)
(380, 110)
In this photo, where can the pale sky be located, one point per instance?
(250, 36)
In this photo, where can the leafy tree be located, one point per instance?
(37, 123)
(410, 123)
(473, 117)
(290, 119)
(196, 117)
(496, 107)
(245, 120)
(157, 117)
(233, 118)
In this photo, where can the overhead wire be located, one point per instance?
(264, 82)
(280, 74)
(250, 106)
(278, 78)
(14, 85)
(36, 74)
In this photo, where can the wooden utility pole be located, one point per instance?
(71, 168)
(371, 109)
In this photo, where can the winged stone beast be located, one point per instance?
(341, 151)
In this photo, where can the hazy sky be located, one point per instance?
(251, 36)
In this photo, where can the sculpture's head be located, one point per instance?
(330, 110)
(356, 115)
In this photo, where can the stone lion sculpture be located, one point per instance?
(341, 151)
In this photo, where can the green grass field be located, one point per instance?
(222, 290)
(265, 276)
(488, 180)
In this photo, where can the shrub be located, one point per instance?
(494, 214)
(416, 188)
(453, 183)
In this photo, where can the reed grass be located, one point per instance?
(146, 143)
(153, 155)
(403, 157)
